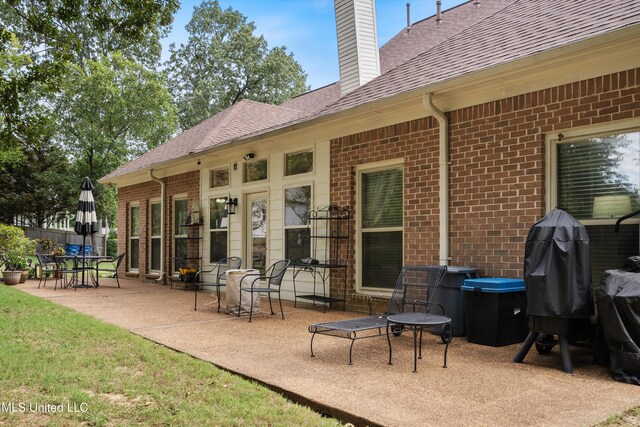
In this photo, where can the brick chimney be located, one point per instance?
(357, 43)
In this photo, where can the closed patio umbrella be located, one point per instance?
(86, 218)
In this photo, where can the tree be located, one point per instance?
(110, 111)
(32, 184)
(39, 39)
(223, 63)
(54, 33)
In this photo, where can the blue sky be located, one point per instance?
(307, 28)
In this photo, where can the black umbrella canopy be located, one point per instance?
(86, 218)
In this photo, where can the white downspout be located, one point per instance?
(162, 228)
(443, 175)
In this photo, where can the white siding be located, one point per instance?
(357, 43)
(274, 186)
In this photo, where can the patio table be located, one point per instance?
(417, 323)
(88, 264)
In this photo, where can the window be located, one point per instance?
(255, 171)
(380, 249)
(380, 226)
(219, 178)
(180, 242)
(218, 226)
(155, 236)
(300, 162)
(134, 237)
(297, 205)
(597, 180)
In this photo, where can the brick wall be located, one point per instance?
(497, 187)
(186, 183)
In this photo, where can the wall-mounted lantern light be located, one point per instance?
(230, 205)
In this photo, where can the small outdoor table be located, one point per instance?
(234, 280)
(418, 322)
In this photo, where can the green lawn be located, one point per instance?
(53, 359)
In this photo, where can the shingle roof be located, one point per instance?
(424, 34)
(519, 29)
(469, 39)
(241, 119)
(315, 100)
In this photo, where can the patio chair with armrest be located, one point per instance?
(109, 265)
(413, 284)
(220, 269)
(269, 282)
(47, 266)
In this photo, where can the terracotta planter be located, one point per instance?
(11, 278)
(24, 275)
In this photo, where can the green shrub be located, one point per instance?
(112, 244)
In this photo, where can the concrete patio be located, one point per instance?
(480, 386)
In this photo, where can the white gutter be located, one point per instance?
(162, 228)
(443, 175)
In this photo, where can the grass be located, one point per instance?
(627, 418)
(101, 375)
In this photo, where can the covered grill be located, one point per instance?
(557, 276)
(618, 299)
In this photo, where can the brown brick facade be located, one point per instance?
(497, 167)
(184, 184)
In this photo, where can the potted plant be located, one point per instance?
(46, 245)
(14, 248)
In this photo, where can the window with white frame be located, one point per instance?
(180, 242)
(299, 162)
(596, 178)
(297, 205)
(155, 235)
(255, 170)
(219, 177)
(380, 225)
(134, 237)
(218, 229)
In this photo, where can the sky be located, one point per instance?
(307, 28)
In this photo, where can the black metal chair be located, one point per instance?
(66, 266)
(47, 266)
(109, 265)
(269, 282)
(220, 268)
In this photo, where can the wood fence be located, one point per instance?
(63, 238)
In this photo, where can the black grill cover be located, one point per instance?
(557, 273)
(618, 298)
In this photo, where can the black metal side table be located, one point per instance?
(418, 322)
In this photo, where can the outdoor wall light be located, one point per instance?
(248, 156)
(230, 205)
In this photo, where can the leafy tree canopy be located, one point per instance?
(52, 33)
(110, 111)
(223, 63)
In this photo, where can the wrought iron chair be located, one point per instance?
(109, 265)
(47, 266)
(269, 282)
(220, 268)
(66, 266)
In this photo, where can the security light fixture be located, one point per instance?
(248, 156)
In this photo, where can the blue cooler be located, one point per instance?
(72, 249)
(496, 311)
